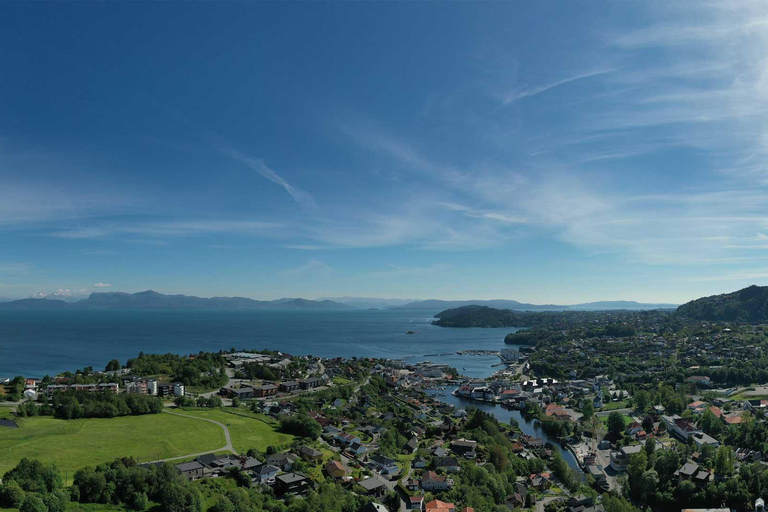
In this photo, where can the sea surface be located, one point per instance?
(35, 343)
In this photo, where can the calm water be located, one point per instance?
(36, 343)
(504, 415)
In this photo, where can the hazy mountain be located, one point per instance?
(369, 302)
(621, 304)
(64, 294)
(35, 304)
(154, 300)
(747, 305)
(441, 305)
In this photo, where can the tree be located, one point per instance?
(498, 458)
(113, 365)
(33, 503)
(642, 400)
(638, 463)
(615, 425)
(649, 482)
(137, 501)
(710, 423)
(11, 495)
(235, 402)
(588, 409)
(34, 476)
(648, 424)
(724, 461)
(650, 446)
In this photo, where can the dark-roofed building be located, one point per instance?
(190, 470)
(291, 483)
(310, 383)
(309, 453)
(284, 461)
(288, 386)
(264, 391)
(373, 487)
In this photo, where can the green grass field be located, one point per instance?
(248, 430)
(73, 444)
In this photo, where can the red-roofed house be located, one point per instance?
(440, 506)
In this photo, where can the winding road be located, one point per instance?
(227, 447)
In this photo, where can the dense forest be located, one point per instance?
(747, 305)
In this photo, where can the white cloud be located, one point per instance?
(102, 285)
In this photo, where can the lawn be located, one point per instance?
(248, 430)
(611, 406)
(73, 444)
(341, 381)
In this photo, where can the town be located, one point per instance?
(660, 417)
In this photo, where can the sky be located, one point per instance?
(547, 152)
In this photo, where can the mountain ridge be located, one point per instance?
(746, 305)
(151, 299)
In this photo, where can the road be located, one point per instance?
(626, 410)
(227, 447)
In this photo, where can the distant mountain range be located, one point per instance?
(369, 302)
(154, 300)
(514, 305)
(622, 304)
(747, 305)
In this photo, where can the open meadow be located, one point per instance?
(73, 444)
(247, 429)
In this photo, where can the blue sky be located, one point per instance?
(544, 151)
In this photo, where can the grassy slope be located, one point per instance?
(248, 430)
(72, 444)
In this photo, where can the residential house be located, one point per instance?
(431, 481)
(620, 457)
(540, 481)
(439, 506)
(384, 465)
(265, 391)
(288, 386)
(309, 453)
(373, 487)
(265, 474)
(190, 470)
(464, 447)
(448, 463)
(681, 427)
(310, 383)
(357, 448)
(336, 470)
(417, 503)
(291, 483)
(284, 461)
(695, 473)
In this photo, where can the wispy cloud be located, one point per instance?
(535, 90)
(102, 285)
(256, 164)
(80, 233)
